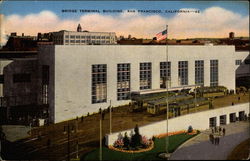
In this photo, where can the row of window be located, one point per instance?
(88, 41)
(86, 37)
(99, 77)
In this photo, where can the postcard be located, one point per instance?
(124, 80)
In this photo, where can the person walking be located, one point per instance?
(220, 130)
(224, 131)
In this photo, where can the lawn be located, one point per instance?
(174, 141)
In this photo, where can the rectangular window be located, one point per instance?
(83, 37)
(21, 78)
(238, 62)
(93, 37)
(199, 72)
(66, 36)
(82, 41)
(145, 76)
(72, 36)
(123, 81)
(77, 37)
(66, 41)
(99, 83)
(72, 41)
(45, 83)
(165, 73)
(1, 79)
(214, 72)
(77, 41)
(183, 72)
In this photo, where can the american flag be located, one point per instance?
(162, 35)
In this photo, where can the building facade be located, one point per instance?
(82, 82)
(83, 38)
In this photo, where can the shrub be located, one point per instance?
(190, 129)
(119, 143)
(126, 140)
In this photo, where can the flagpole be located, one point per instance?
(167, 139)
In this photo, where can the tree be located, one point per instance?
(136, 138)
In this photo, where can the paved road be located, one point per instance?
(200, 148)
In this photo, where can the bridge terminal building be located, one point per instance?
(74, 80)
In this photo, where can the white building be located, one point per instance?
(80, 79)
(80, 37)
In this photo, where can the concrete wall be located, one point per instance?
(243, 69)
(198, 121)
(21, 93)
(3, 64)
(73, 71)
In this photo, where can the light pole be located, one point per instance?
(110, 116)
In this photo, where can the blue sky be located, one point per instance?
(215, 19)
(27, 7)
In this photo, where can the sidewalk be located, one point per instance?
(200, 147)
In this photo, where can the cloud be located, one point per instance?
(212, 22)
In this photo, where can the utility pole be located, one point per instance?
(68, 143)
(100, 153)
(110, 116)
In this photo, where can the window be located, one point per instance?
(78, 37)
(21, 78)
(107, 37)
(214, 72)
(67, 36)
(238, 62)
(72, 36)
(123, 81)
(93, 37)
(1, 79)
(77, 41)
(183, 72)
(99, 83)
(165, 73)
(45, 83)
(103, 37)
(72, 41)
(82, 41)
(83, 37)
(145, 76)
(199, 72)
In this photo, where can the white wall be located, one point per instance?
(73, 71)
(199, 121)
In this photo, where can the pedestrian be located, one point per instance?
(218, 141)
(82, 119)
(239, 98)
(212, 138)
(220, 130)
(212, 130)
(224, 131)
(232, 103)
